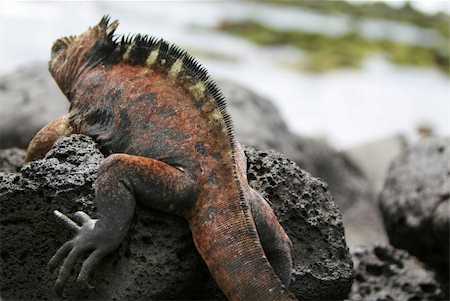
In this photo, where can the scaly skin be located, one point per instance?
(171, 145)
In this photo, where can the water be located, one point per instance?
(336, 24)
(347, 107)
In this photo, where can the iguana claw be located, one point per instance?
(87, 238)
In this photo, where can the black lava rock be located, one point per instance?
(385, 273)
(11, 159)
(29, 234)
(158, 259)
(306, 210)
(415, 203)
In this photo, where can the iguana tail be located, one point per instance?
(226, 237)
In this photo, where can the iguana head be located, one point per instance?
(71, 55)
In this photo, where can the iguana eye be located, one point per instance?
(60, 45)
(57, 47)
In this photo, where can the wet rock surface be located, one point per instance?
(415, 202)
(386, 273)
(157, 259)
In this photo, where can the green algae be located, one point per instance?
(326, 52)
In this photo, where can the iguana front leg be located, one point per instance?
(122, 180)
(44, 139)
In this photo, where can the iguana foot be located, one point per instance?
(90, 237)
(121, 179)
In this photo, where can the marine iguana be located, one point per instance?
(170, 144)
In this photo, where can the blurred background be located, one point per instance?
(340, 87)
(349, 72)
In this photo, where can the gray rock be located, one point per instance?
(375, 157)
(347, 182)
(11, 159)
(29, 99)
(415, 201)
(28, 230)
(352, 191)
(441, 218)
(258, 123)
(385, 273)
(157, 259)
(306, 210)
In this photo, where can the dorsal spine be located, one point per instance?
(157, 54)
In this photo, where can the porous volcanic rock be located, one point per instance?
(415, 202)
(306, 210)
(29, 234)
(158, 259)
(386, 273)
